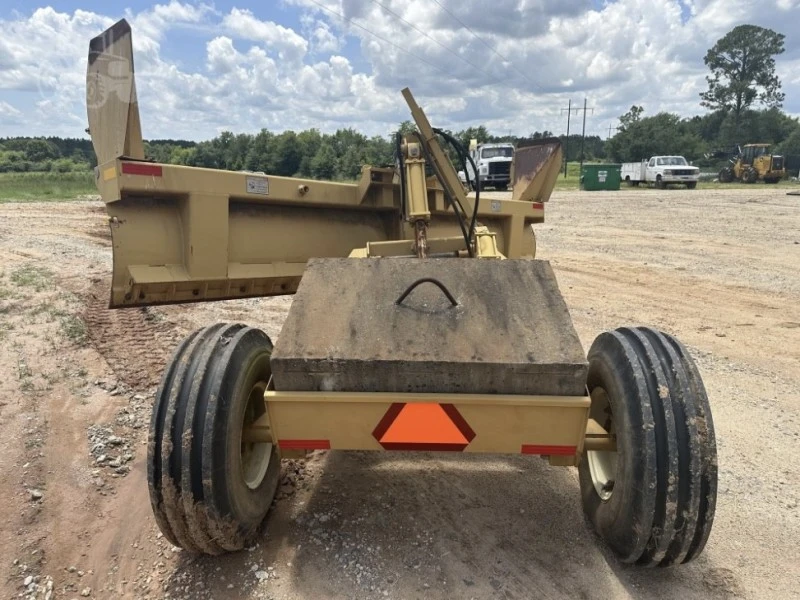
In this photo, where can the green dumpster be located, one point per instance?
(600, 177)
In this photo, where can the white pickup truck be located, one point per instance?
(661, 171)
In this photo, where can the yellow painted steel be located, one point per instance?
(502, 423)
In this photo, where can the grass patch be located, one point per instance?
(5, 328)
(74, 329)
(51, 312)
(27, 187)
(32, 276)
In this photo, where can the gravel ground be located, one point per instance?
(717, 268)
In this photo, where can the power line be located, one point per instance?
(477, 37)
(434, 40)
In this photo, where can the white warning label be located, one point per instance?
(258, 185)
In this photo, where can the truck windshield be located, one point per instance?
(671, 160)
(497, 152)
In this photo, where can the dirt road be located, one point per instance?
(717, 268)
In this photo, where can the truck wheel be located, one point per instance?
(725, 175)
(691, 185)
(210, 489)
(652, 500)
(660, 182)
(750, 175)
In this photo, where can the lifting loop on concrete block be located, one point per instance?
(436, 282)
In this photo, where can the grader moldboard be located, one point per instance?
(421, 321)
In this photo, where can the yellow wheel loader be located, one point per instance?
(754, 163)
(421, 321)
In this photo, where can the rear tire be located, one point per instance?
(210, 490)
(653, 503)
(691, 185)
(725, 175)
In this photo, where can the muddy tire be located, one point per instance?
(750, 175)
(209, 490)
(652, 501)
(660, 183)
(725, 175)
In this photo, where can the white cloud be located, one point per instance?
(511, 67)
(323, 40)
(289, 44)
(8, 114)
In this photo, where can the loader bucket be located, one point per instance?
(535, 170)
(111, 103)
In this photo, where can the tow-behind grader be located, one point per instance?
(421, 321)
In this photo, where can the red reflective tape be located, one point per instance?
(136, 168)
(423, 446)
(549, 450)
(537, 205)
(459, 421)
(305, 444)
(387, 420)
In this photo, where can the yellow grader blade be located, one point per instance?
(111, 103)
(535, 170)
(186, 234)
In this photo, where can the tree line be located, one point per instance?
(309, 153)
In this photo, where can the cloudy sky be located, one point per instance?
(242, 65)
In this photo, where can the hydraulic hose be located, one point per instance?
(452, 201)
(463, 154)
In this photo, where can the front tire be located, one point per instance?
(653, 502)
(725, 175)
(210, 489)
(691, 185)
(660, 183)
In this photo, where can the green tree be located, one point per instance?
(323, 165)
(634, 115)
(742, 68)
(791, 145)
(407, 127)
(664, 133)
(38, 150)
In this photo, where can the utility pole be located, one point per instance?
(610, 127)
(568, 110)
(583, 133)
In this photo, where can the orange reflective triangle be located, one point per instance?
(423, 424)
(426, 426)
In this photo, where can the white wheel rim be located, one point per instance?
(255, 456)
(602, 464)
